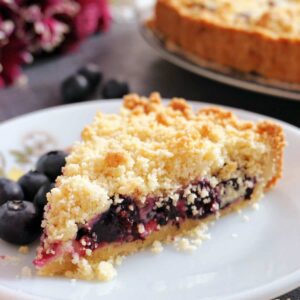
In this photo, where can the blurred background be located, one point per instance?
(43, 43)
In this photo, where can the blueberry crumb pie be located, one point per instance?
(151, 173)
(250, 36)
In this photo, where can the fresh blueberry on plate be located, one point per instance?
(40, 199)
(19, 222)
(9, 190)
(31, 183)
(51, 164)
(115, 89)
(92, 73)
(75, 88)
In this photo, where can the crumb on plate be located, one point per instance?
(157, 247)
(23, 249)
(26, 272)
(106, 271)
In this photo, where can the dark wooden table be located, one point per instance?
(122, 53)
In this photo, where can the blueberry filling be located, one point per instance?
(125, 221)
(118, 223)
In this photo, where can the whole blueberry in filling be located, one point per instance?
(119, 223)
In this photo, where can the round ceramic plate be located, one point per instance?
(216, 72)
(258, 259)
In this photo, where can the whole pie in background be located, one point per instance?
(260, 37)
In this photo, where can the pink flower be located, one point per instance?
(30, 26)
(44, 30)
(104, 15)
(13, 55)
(93, 16)
(86, 22)
(12, 50)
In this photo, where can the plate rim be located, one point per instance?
(272, 289)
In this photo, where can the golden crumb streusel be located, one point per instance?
(150, 148)
(275, 18)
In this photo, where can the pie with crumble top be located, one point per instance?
(151, 173)
(251, 36)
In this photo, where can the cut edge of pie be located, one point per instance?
(152, 173)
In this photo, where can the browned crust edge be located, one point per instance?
(240, 49)
(275, 135)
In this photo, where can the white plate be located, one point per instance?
(219, 73)
(262, 262)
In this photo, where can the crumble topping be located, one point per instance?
(23, 249)
(183, 244)
(106, 271)
(119, 260)
(256, 206)
(26, 272)
(157, 247)
(275, 18)
(246, 218)
(193, 239)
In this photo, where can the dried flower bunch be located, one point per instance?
(31, 27)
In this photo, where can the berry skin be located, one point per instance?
(115, 89)
(9, 190)
(75, 89)
(20, 223)
(31, 183)
(40, 199)
(92, 73)
(51, 164)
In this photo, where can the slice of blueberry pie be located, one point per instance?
(149, 174)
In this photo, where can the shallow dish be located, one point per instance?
(257, 259)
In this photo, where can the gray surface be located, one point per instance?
(121, 53)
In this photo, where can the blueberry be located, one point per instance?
(92, 73)
(75, 88)
(40, 199)
(31, 183)
(9, 190)
(115, 89)
(51, 164)
(117, 224)
(19, 222)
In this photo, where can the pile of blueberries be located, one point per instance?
(22, 203)
(83, 84)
